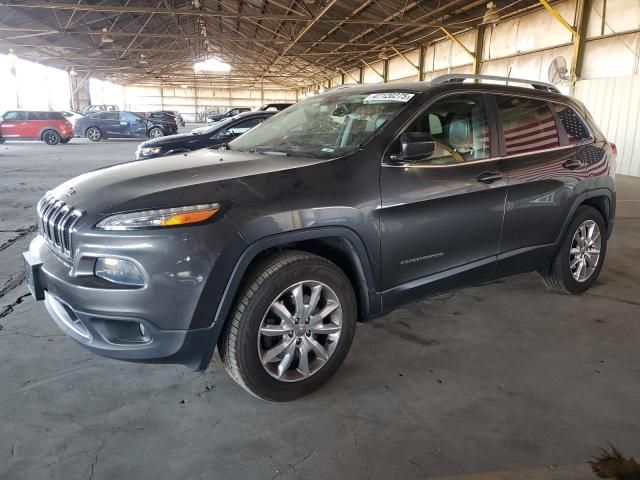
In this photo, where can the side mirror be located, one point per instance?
(415, 146)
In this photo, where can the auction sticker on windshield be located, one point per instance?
(388, 97)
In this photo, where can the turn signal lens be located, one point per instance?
(165, 217)
(192, 217)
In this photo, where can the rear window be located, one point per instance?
(575, 129)
(527, 124)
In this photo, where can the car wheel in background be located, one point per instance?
(291, 328)
(65, 140)
(94, 134)
(155, 132)
(51, 137)
(579, 260)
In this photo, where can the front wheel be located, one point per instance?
(94, 134)
(291, 328)
(580, 257)
(155, 132)
(51, 137)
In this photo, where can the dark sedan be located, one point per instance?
(104, 125)
(215, 135)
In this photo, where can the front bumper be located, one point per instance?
(155, 324)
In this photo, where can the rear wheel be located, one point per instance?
(579, 260)
(155, 132)
(94, 134)
(51, 137)
(291, 328)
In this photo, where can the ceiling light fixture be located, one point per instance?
(211, 65)
(197, 4)
(106, 38)
(491, 16)
(72, 72)
(12, 54)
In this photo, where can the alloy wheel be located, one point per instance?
(584, 253)
(300, 331)
(93, 134)
(155, 133)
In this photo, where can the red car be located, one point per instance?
(50, 127)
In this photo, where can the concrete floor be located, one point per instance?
(503, 377)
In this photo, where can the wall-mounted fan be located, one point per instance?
(558, 70)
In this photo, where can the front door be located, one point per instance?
(132, 125)
(442, 214)
(14, 125)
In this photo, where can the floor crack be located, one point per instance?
(21, 233)
(9, 308)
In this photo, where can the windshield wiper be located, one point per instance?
(268, 151)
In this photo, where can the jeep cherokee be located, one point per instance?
(344, 206)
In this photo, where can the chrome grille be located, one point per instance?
(56, 220)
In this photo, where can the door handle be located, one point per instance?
(489, 177)
(572, 164)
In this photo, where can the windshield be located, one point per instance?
(214, 127)
(325, 126)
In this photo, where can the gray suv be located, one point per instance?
(342, 207)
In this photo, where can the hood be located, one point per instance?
(203, 176)
(171, 140)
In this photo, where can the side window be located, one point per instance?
(36, 116)
(575, 129)
(456, 126)
(14, 116)
(527, 124)
(127, 117)
(242, 127)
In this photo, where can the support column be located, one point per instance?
(582, 22)
(385, 71)
(479, 49)
(422, 62)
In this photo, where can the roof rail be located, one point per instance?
(461, 77)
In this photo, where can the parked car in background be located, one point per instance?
(100, 108)
(104, 125)
(216, 117)
(163, 115)
(179, 120)
(275, 107)
(214, 135)
(71, 116)
(50, 127)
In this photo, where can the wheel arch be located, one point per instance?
(340, 245)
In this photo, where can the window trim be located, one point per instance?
(495, 130)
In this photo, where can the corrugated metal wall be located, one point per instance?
(615, 105)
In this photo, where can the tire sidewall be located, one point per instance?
(257, 378)
(562, 258)
(51, 137)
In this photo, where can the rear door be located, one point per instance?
(109, 123)
(546, 174)
(14, 124)
(441, 216)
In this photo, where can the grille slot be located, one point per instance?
(56, 221)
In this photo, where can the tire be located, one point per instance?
(156, 132)
(560, 276)
(50, 137)
(242, 345)
(94, 134)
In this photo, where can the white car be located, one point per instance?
(71, 116)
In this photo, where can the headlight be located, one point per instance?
(120, 271)
(164, 217)
(145, 152)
